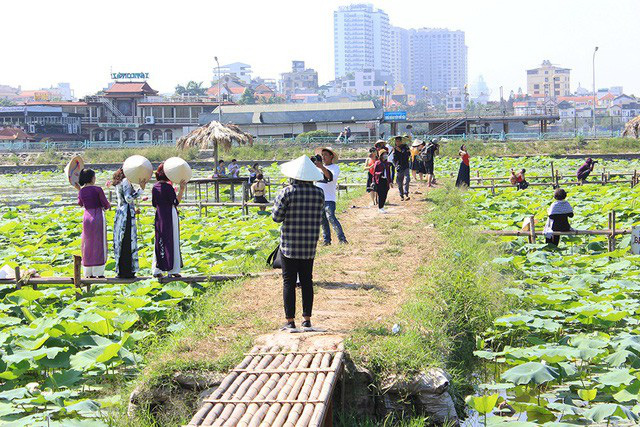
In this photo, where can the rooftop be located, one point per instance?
(141, 88)
(296, 113)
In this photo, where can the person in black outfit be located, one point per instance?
(559, 213)
(401, 161)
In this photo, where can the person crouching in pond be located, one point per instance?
(166, 256)
(94, 225)
(125, 230)
(585, 170)
(559, 213)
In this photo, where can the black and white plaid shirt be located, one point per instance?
(299, 208)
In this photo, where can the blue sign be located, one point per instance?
(395, 116)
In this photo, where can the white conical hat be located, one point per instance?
(137, 168)
(72, 170)
(177, 170)
(301, 169)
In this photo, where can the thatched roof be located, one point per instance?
(632, 128)
(215, 133)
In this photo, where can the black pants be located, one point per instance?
(292, 269)
(125, 263)
(382, 188)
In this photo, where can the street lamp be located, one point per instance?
(219, 93)
(385, 94)
(593, 107)
(215, 147)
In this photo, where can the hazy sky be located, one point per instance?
(78, 41)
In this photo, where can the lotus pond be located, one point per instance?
(571, 353)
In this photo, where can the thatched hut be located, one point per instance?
(632, 128)
(215, 135)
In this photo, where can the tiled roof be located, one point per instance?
(131, 87)
(12, 134)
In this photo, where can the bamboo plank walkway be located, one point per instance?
(274, 386)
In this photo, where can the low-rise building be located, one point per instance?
(43, 121)
(299, 79)
(367, 82)
(290, 120)
(14, 135)
(240, 70)
(549, 81)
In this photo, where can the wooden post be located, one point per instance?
(553, 172)
(532, 229)
(77, 274)
(633, 178)
(493, 187)
(233, 192)
(18, 277)
(557, 178)
(612, 239)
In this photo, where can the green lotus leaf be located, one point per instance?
(600, 412)
(616, 377)
(531, 372)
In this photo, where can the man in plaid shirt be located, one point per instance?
(299, 208)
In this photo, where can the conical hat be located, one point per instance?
(72, 170)
(137, 168)
(301, 169)
(177, 170)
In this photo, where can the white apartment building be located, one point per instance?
(237, 69)
(361, 39)
(437, 60)
(366, 82)
(399, 55)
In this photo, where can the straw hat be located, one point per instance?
(329, 149)
(301, 169)
(405, 139)
(417, 143)
(137, 168)
(177, 170)
(72, 170)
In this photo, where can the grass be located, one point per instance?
(454, 299)
(200, 346)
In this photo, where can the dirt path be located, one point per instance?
(354, 284)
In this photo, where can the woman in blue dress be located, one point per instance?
(125, 231)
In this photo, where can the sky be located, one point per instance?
(80, 41)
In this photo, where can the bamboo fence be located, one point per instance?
(532, 233)
(275, 387)
(21, 280)
(554, 180)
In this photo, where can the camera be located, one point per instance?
(316, 158)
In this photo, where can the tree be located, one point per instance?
(4, 102)
(248, 97)
(191, 89)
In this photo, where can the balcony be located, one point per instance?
(133, 122)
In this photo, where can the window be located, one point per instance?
(536, 86)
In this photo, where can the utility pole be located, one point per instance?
(215, 147)
(593, 107)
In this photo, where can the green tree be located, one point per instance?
(192, 88)
(4, 102)
(248, 97)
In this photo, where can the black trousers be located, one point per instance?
(292, 269)
(382, 188)
(125, 263)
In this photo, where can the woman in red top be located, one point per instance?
(464, 177)
(383, 174)
(368, 166)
